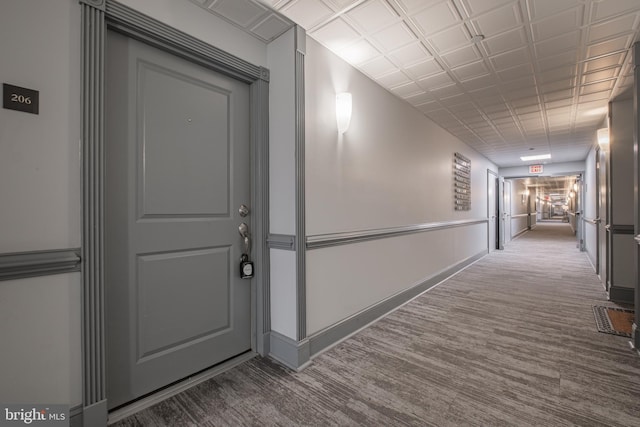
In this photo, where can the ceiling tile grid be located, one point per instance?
(504, 76)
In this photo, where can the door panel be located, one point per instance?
(177, 150)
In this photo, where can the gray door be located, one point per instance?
(177, 168)
(492, 209)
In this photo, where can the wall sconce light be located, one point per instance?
(603, 136)
(575, 186)
(343, 111)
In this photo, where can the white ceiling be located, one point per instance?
(538, 82)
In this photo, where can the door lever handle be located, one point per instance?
(243, 229)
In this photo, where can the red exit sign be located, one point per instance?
(535, 168)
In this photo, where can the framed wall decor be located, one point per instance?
(461, 182)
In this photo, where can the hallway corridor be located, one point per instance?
(511, 340)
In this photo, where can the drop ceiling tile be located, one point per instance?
(556, 25)
(446, 91)
(406, 90)
(560, 73)
(597, 87)
(516, 72)
(470, 71)
(340, 4)
(565, 58)
(525, 101)
(527, 82)
(336, 35)
(510, 59)
(436, 81)
(604, 62)
(462, 56)
(476, 7)
(378, 67)
(410, 55)
(427, 107)
(393, 79)
(420, 98)
(413, 6)
(560, 103)
(423, 69)
(393, 37)
(617, 44)
(598, 96)
(478, 82)
(528, 110)
(454, 100)
(612, 28)
(510, 40)
(436, 18)
(271, 27)
(359, 52)
(499, 20)
(550, 47)
(561, 94)
(372, 16)
(609, 8)
(307, 13)
(557, 85)
(601, 75)
(242, 13)
(450, 39)
(539, 9)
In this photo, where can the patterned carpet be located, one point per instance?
(510, 341)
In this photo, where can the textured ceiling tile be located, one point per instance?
(563, 43)
(394, 37)
(597, 87)
(436, 18)
(271, 27)
(609, 8)
(359, 52)
(612, 28)
(393, 79)
(420, 98)
(498, 21)
(516, 72)
(450, 39)
(307, 13)
(565, 58)
(372, 16)
(242, 13)
(539, 9)
(506, 41)
(413, 6)
(470, 71)
(601, 75)
(336, 35)
(409, 55)
(408, 89)
(378, 67)
(423, 69)
(462, 56)
(604, 62)
(510, 59)
(604, 95)
(609, 46)
(556, 25)
(436, 81)
(478, 82)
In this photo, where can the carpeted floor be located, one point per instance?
(510, 341)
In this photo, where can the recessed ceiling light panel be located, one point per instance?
(536, 157)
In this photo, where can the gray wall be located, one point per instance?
(40, 209)
(392, 168)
